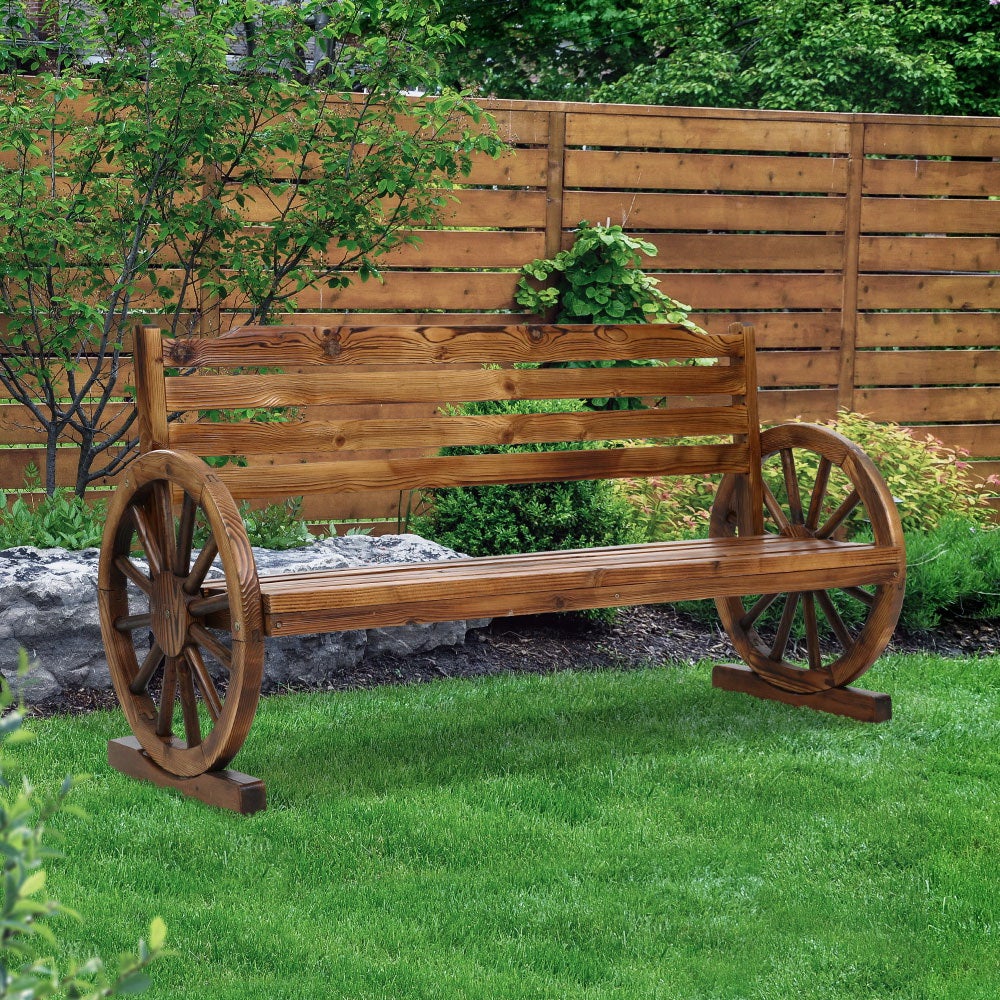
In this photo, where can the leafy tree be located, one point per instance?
(893, 56)
(543, 49)
(149, 133)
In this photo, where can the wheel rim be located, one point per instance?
(189, 687)
(814, 640)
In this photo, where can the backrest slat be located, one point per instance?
(194, 392)
(408, 345)
(452, 431)
(481, 470)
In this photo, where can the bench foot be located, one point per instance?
(225, 789)
(855, 703)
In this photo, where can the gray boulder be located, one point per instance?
(48, 605)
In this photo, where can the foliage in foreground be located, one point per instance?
(24, 817)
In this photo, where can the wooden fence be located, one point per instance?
(864, 248)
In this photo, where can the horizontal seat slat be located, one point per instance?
(448, 431)
(340, 345)
(556, 581)
(351, 476)
(195, 392)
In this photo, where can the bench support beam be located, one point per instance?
(855, 703)
(224, 789)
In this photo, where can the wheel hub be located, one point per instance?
(170, 616)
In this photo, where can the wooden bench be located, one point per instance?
(186, 654)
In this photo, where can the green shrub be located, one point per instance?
(598, 280)
(530, 517)
(927, 479)
(24, 814)
(954, 568)
(61, 519)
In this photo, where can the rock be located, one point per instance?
(48, 605)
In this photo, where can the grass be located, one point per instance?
(610, 835)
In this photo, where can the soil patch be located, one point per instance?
(543, 644)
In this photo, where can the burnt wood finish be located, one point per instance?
(184, 629)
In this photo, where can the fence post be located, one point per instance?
(852, 252)
(554, 183)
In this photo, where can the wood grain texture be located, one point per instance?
(384, 344)
(644, 171)
(452, 431)
(224, 789)
(850, 702)
(481, 470)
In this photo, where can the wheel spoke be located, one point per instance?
(860, 595)
(149, 667)
(763, 603)
(129, 623)
(136, 575)
(164, 506)
(147, 539)
(775, 509)
(185, 536)
(209, 692)
(777, 651)
(838, 517)
(202, 606)
(165, 717)
(201, 566)
(791, 485)
(189, 704)
(812, 632)
(203, 637)
(832, 615)
(819, 492)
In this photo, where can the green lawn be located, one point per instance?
(587, 835)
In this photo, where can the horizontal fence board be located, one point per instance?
(465, 470)
(458, 248)
(518, 168)
(930, 215)
(955, 178)
(236, 321)
(735, 212)
(408, 290)
(806, 330)
(979, 440)
(504, 208)
(442, 431)
(14, 463)
(940, 139)
(754, 291)
(645, 171)
(928, 291)
(425, 386)
(778, 405)
(796, 368)
(683, 132)
(929, 404)
(928, 253)
(935, 329)
(942, 367)
(18, 425)
(740, 251)
(338, 345)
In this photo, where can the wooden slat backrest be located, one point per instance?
(399, 387)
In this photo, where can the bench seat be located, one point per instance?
(535, 583)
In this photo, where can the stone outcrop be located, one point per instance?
(48, 605)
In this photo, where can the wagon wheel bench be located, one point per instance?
(186, 651)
